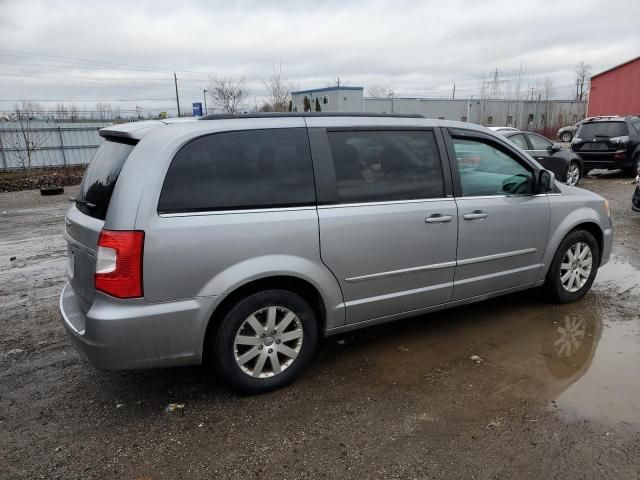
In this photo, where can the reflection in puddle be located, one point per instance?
(609, 390)
(583, 355)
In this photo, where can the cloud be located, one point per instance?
(128, 50)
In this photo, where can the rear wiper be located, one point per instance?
(82, 202)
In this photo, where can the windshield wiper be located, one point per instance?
(82, 202)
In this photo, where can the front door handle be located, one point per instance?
(437, 218)
(478, 214)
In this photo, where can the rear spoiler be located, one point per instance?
(133, 131)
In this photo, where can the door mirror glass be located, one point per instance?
(546, 180)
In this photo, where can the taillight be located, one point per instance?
(119, 263)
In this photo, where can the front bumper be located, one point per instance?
(126, 334)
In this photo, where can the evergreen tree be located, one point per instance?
(318, 109)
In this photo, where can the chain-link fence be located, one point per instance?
(47, 145)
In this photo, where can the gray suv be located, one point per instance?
(239, 241)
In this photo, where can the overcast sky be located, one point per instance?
(125, 52)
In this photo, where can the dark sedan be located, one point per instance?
(565, 164)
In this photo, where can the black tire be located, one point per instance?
(46, 191)
(566, 137)
(223, 344)
(634, 171)
(553, 283)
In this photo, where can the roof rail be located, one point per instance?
(227, 116)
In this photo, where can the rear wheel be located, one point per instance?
(265, 341)
(574, 267)
(635, 170)
(566, 137)
(573, 173)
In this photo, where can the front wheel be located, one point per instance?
(574, 267)
(265, 341)
(573, 174)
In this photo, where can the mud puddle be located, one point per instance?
(581, 357)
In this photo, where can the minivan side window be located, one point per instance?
(386, 165)
(485, 170)
(239, 170)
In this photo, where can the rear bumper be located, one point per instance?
(605, 159)
(136, 334)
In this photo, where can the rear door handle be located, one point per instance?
(437, 218)
(475, 215)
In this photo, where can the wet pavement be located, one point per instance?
(514, 387)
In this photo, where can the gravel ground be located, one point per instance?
(482, 391)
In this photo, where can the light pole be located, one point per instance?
(204, 94)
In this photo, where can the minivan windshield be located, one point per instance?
(100, 178)
(602, 129)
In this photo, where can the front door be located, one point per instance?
(503, 225)
(390, 233)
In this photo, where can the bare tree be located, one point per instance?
(547, 97)
(379, 91)
(73, 112)
(515, 95)
(228, 94)
(104, 111)
(60, 112)
(583, 72)
(279, 89)
(27, 139)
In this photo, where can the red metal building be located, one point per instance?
(616, 91)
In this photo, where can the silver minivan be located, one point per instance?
(239, 241)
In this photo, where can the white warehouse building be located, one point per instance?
(523, 114)
(329, 99)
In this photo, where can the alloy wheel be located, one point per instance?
(268, 341)
(576, 267)
(573, 174)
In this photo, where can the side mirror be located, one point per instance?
(546, 180)
(553, 149)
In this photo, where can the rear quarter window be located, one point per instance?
(100, 178)
(240, 170)
(603, 129)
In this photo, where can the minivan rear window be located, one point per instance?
(240, 170)
(101, 176)
(602, 129)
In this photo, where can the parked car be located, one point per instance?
(565, 164)
(635, 201)
(238, 241)
(503, 129)
(567, 133)
(609, 143)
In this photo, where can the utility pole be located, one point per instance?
(453, 97)
(338, 95)
(204, 94)
(391, 97)
(175, 80)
